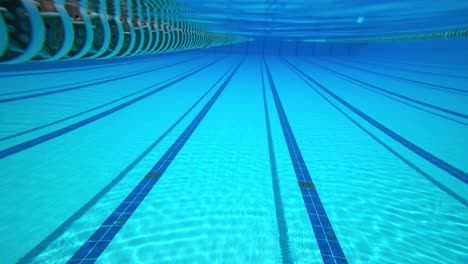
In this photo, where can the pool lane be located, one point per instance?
(88, 156)
(58, 106)
(379, 88)
(27, 81)
(424, 65)
(382, 210)
(98, 242)
(215, 202)
(435, 95)
(444, 139)
(415, 73)
(108, 103)
(75, 86)
(279, 206)
(418, 70)
(383, 129)
(55, 67)
(412, 105)
(327, 240)
(429, 85)
(55, 236)
(436, 161)
(44, 138)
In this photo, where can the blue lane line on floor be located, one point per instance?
(88, 81)
(330, 248)
(41, 139)
(464, 123)
(345, 76)
(106, 80)
(28, 257)
(279, 207)
(89, 110)
(31, 68)
(413, 70)
(452, 170)
(383, 144)
(422, 84)
(420, 108)
(102, 237)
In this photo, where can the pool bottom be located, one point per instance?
(216, 200)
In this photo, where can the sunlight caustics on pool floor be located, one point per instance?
(237, 159)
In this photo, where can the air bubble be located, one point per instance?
(360, 20)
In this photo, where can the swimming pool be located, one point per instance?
(266, 151)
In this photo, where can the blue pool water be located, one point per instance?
(274, 150)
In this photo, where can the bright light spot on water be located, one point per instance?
(360, 20)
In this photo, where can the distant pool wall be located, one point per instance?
(440, 50)
(274, 46)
